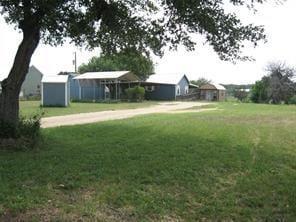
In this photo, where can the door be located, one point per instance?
(209, 95)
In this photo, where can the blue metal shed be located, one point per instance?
(166, 86)
(55, 90)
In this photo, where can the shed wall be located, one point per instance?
(162, 92)
(222, 94)
(212, 95)
(54, 94)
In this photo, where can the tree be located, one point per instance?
(277, 86)
(128, 59)
(258, 93)
(151, 25)
(280, 85)
(201, 81)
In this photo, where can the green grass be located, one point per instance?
(33, 107)
(234, 164)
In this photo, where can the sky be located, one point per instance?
(278, 19)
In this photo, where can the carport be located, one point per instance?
(105, 85)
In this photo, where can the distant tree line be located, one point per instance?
(201, 81)
(239, 91)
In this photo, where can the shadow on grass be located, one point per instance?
(152, 167)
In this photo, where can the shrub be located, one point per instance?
(135, 94)
(29, 127)
(22, 136)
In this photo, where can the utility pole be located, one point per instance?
(75, 62)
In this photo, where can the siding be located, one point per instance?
(74, 87)
(212, 95)
(32, 84)
(54, 94)
(162, 92)
(92, 93)
(183, 84)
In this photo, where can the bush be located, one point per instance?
(24, 135)
(135, 94)
(30, 128)
(292, 100)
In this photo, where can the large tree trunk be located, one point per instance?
(11, 86)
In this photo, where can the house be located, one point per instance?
(166, 86)
(55, 90)
(212, 92)
(31, 86)
(105, 85)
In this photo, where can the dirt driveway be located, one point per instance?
(83, 118)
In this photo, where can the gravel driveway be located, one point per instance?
(83, 118)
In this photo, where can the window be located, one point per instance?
(149, 88)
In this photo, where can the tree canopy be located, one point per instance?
(151, 24)
(129, 60)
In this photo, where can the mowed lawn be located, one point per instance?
(234, 164)
(29, 108)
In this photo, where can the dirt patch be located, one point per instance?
(56, 214)
(46, 215)
(85, 118)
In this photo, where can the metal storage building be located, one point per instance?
(212, 92)
(55, 90)
(166, 86)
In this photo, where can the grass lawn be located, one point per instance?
(234, 164)
(33, 107)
